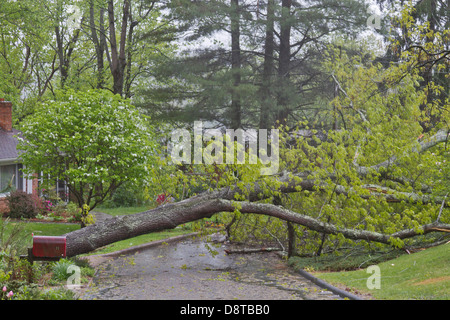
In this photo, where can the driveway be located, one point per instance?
(195, 269)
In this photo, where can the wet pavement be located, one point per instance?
(194, 269)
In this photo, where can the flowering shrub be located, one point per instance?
(116, 142)
(6, 295)
(48, 205)
(163, 199)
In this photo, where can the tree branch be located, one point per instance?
(439, 137)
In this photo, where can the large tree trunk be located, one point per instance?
(204, 206)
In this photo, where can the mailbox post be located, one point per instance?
(47, 248)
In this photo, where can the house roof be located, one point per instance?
(8, 145)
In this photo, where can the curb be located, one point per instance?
(329, 287)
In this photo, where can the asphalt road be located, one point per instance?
(192, 269)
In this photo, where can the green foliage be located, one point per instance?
(374, 150)
(216, 82)
(128, 195)
(17, 276)
(93, 140)
(57, 294)
(86, 217)
(44, 46)
(11, 237)
(60, 269)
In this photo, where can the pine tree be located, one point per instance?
(263, 64)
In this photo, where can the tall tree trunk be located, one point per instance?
(266, 97)
(63, 65)
(99, 43)
(235, 65)
(284, 61)
(64, 52)
(128, 78)
(118, 56)
(432, 119)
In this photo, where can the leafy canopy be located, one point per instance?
(93, 140)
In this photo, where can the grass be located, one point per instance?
(24, 238)
(48, 229)
(424, 275)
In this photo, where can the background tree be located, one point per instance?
(262, 66)
(402, 36)
(51, 45)
(94, 141)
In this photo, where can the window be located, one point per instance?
(8, 175)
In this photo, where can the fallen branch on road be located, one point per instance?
(252, 250)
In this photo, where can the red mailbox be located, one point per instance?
(48, 248)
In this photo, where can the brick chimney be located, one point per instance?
(5, 115)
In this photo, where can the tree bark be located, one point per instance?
(99, 43)
(65, 52)
(251, 250)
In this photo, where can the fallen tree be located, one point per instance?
(206, 205)
(223, 199)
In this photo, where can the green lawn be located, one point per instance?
(48, 229)
(424, 275)
(24, 238)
